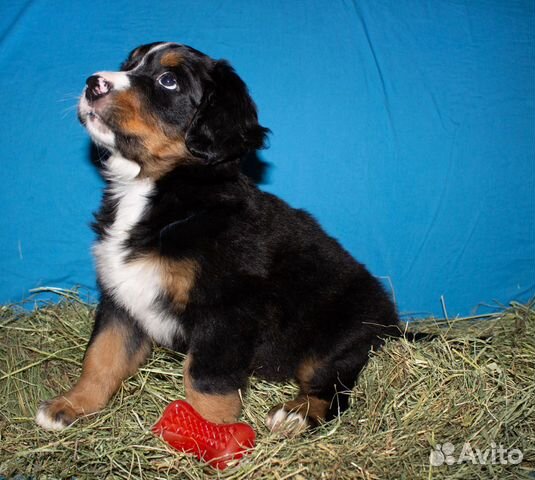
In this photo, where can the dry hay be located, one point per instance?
(473, 382)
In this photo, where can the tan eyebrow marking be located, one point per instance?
(171, 59)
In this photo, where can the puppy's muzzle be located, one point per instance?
(97, 87)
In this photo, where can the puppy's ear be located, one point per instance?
(226, 123)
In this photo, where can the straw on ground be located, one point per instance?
(473, 382)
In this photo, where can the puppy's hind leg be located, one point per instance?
(116, 350)
(324, 392)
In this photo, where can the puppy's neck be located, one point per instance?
(118, 169)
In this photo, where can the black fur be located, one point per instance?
(274, 289)
(225, 126)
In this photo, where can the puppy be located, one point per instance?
(193, 256)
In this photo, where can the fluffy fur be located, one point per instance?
(192, 255)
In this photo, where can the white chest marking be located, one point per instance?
(135, 285)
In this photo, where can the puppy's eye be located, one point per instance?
(168, 80)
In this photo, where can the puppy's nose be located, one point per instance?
(97, 87)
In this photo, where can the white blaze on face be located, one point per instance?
(119, 80)
(152, 50)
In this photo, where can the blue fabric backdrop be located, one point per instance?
(406, 127)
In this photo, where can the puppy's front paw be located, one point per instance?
(55, 414)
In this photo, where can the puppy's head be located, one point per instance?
(169, 105)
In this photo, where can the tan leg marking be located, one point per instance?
(295, 416)
(215, 408)
(106, 364)
(309, 406)
(305, 372)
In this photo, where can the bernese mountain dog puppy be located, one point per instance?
(191, 255)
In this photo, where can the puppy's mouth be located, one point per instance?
(95, 124)
(93, 117)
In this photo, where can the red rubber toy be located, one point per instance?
(218, 444)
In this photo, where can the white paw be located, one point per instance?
(283, 420)
(49, 421)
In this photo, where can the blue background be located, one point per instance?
(406, 127)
